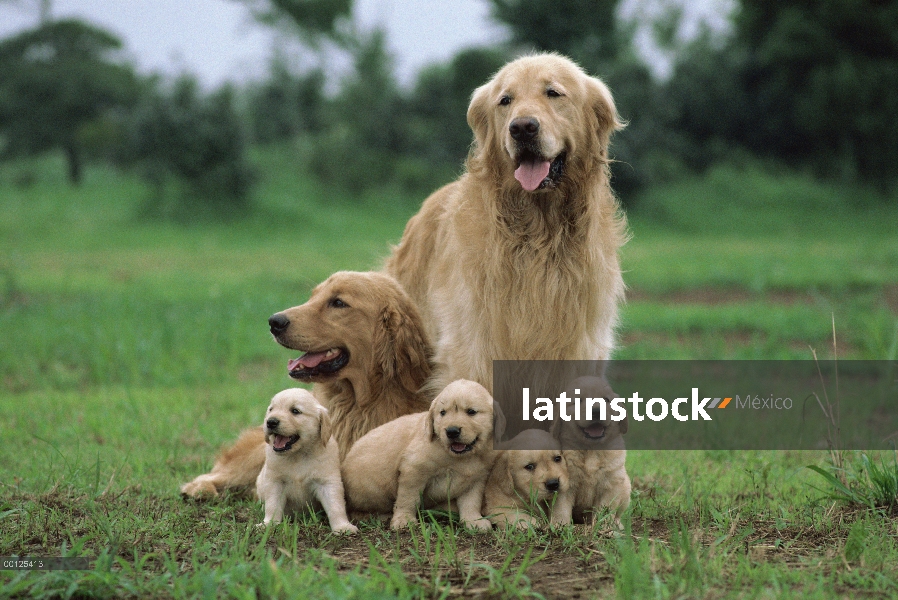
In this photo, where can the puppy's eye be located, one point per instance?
(504, 100)
(296, 411)
(557, 459)
(553, 93)
(530, 466)
(471, 411)
(442, 413)
(337, 303)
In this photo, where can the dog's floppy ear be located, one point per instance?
(604, 110)
(400, 345)
(623, 425)
(324, 426)
(479, 115)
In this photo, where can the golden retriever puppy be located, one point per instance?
(366, 351)
(302, 462)
(596, 456)
(518, 259)
(439, 458)
(528, 481)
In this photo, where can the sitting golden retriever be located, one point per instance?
(518, 259)
(596, 456)
(529, 480)
(302, 462)
(367, 353)
(442, 457)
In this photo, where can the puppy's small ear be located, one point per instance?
(499, 423)
(429, 426)
(623, 425)
(507, 481)
(604, 110)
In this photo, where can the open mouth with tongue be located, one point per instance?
(461, 448)
(317, 364)
(535, 172)
(594, 431)
(282, 443)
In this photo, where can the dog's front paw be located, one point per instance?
(402, 521)
(199, 490)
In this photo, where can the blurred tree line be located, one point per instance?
(813, 85)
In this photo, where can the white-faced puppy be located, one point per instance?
(439, 458)
(595, 454)
(528, 481)
(302, 461)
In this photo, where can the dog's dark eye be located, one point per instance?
(530, 466)
(442, 413)
(553, 93)
(557, 459)
(504, 100)
(296, 411)
(337, 303)
(471, 411)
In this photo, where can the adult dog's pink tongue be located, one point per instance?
(309, 361)
(531, 173)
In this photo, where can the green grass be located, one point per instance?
(131, 350)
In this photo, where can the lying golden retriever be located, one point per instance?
(366, 351)
(529, 483)
(302, 462)
(441, 457)
(518, 259)
(596, 456)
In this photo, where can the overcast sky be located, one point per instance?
(218, 41)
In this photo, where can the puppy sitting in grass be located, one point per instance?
(302, 461)
(596, 457)
(529, 480)
(437, 459)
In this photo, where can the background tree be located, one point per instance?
(823, 77)
(195, 144)
(57, 79)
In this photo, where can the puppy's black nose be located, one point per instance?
(278, 322)
(524, 129)
(552, 485)
(273, 423)
(453, 432)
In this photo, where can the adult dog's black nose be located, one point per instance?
(453, 432)
(278, 323)
(552, 485)
(524, 129)
(273, 423)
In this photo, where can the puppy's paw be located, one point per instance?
(480, 524)
(345, 528)
(402, 521)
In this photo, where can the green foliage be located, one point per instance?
(809, 84)
(286, 105)
(312, 19)
(862, 482)
(195, 144)
(58, 80)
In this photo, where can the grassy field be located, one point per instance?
(131, 350)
